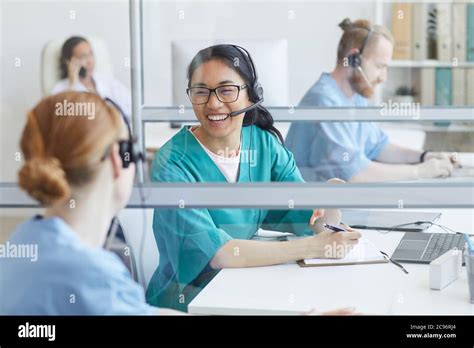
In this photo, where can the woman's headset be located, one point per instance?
(256, 87)
(128, 149)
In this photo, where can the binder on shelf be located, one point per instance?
(470, 33)
(443, 86)
(401, 30)
(444, 32)
(470, 86)
(420, 31)
(459, 31)
(459, 86)
(426, 86)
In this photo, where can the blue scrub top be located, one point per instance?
(64, 276)
(325, 150)
(188, 239)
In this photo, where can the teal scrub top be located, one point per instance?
(188, 239)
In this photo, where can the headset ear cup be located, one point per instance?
(258, 90)
(125, 153)
(354, 60)
(351, 60)
(357, 60)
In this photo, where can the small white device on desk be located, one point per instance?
(445, 269)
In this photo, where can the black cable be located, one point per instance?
(112, 233)
(394, 262)
(444, 228)
(250, 146)
(142, 237)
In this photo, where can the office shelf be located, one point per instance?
(429, 64)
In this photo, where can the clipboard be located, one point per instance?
(301, 263)
(364, 253)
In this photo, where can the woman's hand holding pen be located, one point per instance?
(331, 245)
(327, 243)
(330, 216)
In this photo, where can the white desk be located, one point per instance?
(372, 289)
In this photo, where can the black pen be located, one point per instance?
(334, 228)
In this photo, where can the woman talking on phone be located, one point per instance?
(77, 65)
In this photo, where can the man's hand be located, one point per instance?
(452, 157)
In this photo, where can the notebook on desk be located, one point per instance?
(365, 252)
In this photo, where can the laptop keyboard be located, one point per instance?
(440, 243)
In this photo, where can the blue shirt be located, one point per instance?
(189, 238)
(56, 274)
(325, 150)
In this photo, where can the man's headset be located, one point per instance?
(355, 60)
(255, 87)
(128, 149)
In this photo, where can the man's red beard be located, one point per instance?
(360, 86)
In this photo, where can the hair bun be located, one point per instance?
(45, 180)
(346, 24)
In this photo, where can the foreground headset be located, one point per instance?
(128, 149)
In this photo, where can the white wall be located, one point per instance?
(26, 26)
(312, 34)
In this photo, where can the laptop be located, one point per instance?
(463, 172)
(389, 220)
(426, 247)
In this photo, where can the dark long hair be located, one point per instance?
(235, 59)
(66, 53)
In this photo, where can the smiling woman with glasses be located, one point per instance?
(235, 142)
(225, 94)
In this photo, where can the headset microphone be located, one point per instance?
(355, 59)
(359, 68)
(241, 111)
(256, 89)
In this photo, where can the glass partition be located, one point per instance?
(423, 102)
(32, 36)
(397, 102)
(293, 43)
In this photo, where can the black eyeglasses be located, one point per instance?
(225, 93)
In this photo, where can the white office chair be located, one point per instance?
(269, 56)
(50, 71)
(134, 225)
